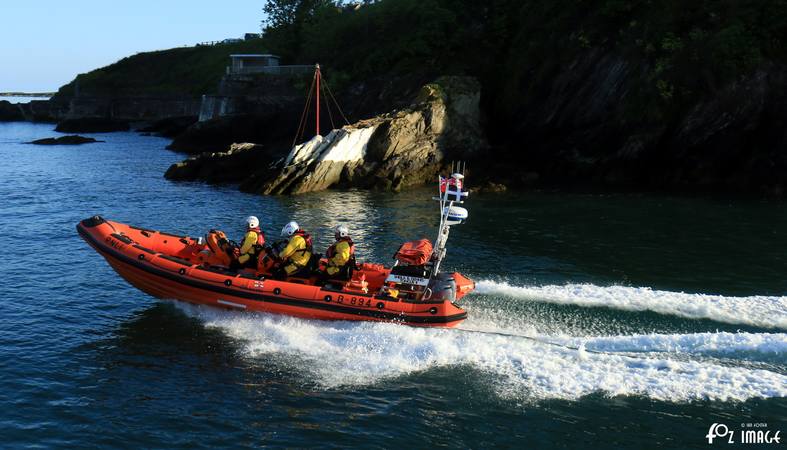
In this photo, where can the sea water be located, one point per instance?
(599, 320)
(20, 99)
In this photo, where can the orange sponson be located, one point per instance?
(464, 285)
(176, 267)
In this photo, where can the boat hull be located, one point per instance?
(165, 276)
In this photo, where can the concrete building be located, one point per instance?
(264, 63)
(253, 83)
(251, 63)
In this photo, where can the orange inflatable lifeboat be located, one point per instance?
(181, 268)
(169, 266)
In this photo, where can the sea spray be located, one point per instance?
(343, 354)
(759, 311)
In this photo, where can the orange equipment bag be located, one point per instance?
(358, 283)
(414, 253)
(217, 242)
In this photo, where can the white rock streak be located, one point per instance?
(346, 144)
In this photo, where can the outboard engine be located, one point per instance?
(441, 287)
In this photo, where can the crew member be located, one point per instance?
(252, 245)
(295, 257)
(341, 255)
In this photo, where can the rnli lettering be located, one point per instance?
(404, 279)
(354, 301)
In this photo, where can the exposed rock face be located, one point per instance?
(65, 140)
(321, 162)
(274, 129)
(50, 110)
(94, 114)
(170, 126)
(580, 127)
(391, 151)
(231, 165)
(10, 112)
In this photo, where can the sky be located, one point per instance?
(44, 44)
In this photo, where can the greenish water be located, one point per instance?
(600, 321)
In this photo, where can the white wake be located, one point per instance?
(766, 344)
(760, 311)
(337, 354)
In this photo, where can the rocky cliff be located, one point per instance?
(588, 124)
(102, 113)
(10, 112)
(233, 165)
(390, 151)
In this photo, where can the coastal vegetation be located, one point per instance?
(686, 50)
(690, 49)
(182, 71)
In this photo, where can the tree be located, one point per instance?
(287, 13)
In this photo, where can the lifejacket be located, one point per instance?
(345, 270)
(256, 247)
(332, 249)
(260, 237)
(302, 252)
(307, 239)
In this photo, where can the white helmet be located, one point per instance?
(341, 231)
(252, 222)
(290, 229)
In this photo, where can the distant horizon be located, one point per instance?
(27, 94)
(48, 43)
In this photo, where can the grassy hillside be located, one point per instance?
(179, 71)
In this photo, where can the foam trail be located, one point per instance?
(697, 343)
(760, 311)
(337, 354)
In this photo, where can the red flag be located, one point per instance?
(445, 182)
